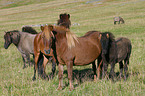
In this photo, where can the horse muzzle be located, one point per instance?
(47, 51)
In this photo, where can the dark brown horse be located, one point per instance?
(64, 20)
(115, 51)
(71, 50)
(41, 44)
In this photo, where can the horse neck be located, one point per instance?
(60, 41)
(15, 40)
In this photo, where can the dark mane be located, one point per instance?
(110, 47)
(29, 29)
(111, 36)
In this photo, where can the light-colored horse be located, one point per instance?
(23, 41)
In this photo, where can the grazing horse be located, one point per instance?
(115, 51)
(23, 41)
(71, 50)
(64, 20)
(118, 19)
(41, 44)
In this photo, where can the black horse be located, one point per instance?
(115, 51)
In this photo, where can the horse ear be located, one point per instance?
(42, 28)
(100, 36)
(107, 35)
(60, 16)
(68, 16)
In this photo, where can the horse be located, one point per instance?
(64, 20)
(24, 43)
(70, 50)
(42, 56)
(115, 51)
(118, 19)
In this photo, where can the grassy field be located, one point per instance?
(85, 16)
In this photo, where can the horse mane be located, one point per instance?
(29, 29)
(13, 31)
(112, 55)
(71, 37)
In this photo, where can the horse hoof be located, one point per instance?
(34, 79)
(59, 88)
(24, 67)
(71, 88)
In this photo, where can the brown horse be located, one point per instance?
(71, 50)
(64, 20)
(41, 44)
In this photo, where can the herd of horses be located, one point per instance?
(62, 47)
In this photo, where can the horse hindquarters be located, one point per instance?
(126, 61)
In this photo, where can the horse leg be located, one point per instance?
(112, 73)
(125, 68)
(99, 64)
(121, 68)
(53, 67)
(45, 61)
(33, 59)
(104, 70)
(28, 59)
(69, 70)
(41, 67)
(24, 60)
(35, 65)
(60, 76)
(94, 70)
(105, 66)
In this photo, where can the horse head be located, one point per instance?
(104, 39)
(47, 36)
(11, 37)
(64, 20)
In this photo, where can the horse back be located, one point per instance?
(88, 47)
(26, 43)
(123, 48)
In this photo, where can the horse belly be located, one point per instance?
(86, 57)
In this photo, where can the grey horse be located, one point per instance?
(23, 41)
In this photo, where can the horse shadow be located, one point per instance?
(80, 76)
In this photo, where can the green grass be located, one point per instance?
(91, 16)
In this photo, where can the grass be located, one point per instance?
(90, 16)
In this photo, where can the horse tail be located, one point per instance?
(29, 29)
